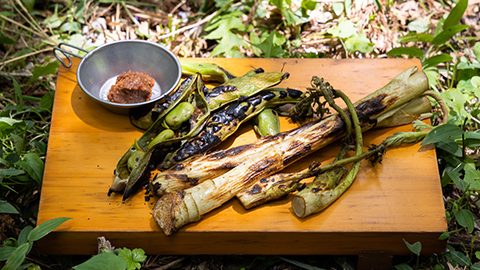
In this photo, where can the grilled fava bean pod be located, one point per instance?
(209, 71)
(245, 86)
(218, 127)
(187, 91)
(267, 123)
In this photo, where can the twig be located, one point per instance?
(24, 27)
(188, 27)
(30, 19)
(135, 21)
(25, 55)
(177, 7)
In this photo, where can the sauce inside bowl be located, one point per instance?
(130, 87)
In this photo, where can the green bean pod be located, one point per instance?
(209, 71)
(268, 123)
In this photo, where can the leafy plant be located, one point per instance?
(118, 259)
(352, 40)
(14, 251)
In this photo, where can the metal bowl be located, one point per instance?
(98, 69)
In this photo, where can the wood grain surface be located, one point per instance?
(398, 199)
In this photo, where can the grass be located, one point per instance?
(446, 41)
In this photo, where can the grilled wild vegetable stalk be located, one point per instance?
(218, 127)
(322, 192)
(244, 86)
(175, 209)
(279, 185)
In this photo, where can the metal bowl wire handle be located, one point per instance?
(66, 53)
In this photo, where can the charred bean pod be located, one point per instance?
(180, 114)
(268, 123)
(209, 71)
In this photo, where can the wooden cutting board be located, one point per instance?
(398, 199)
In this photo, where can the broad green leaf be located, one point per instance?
(53, 21)
(410, 51)
(222, 3)
(5, 252)
(443, 133)
(229, 46)
(225, 25)
(337, 8)
(22, 237)
(45, 228)
(415, 248)
(476, 51)
(458, 258)
(419, 25)
(455, 176)
(465, 218)
(6, 124)
(7, 208)
(456, 100)
(17, 257)
(344, 29)
(9, 172)
(437, 59)
(46, 102)
(103, 261)
(433, 76)
(448, 33)
(477, 255)
(417, 37)
(403, 266)
(70, 27)
(47, 69)
(472, 176)
(269, 48)
(33, 165)
(456, 14)
(309, 4)
(472, 139)
(133, 258)
(450, 147)
(444, 236)
(360, 43)
(475, 266)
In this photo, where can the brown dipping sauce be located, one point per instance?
(131, 87)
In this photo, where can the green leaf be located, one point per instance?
(45, 228)
(458, 258)
(309, 4)
(70, 27)
(225, 24)
(7, 208)
(448, 33)
(415, 248)
(472, 176)
(17, 257)
(419, 25)
(410, 51)
(33, 165)
(433, 76)
(5, 252)
(23, 236)
(444, 236)
(456, 14)
(47, 69)
(29, 4)
(103, 261)
(133, 258)
(10, 172)
(437, 59)
(475, 266)
(477, 255)
(403, 266)
(337, 8)
(344, 29)
(417, 37)
(359, 43)
(465, 218)
(46, 102)
(269, 48)
(476, 50)
(443, 133)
